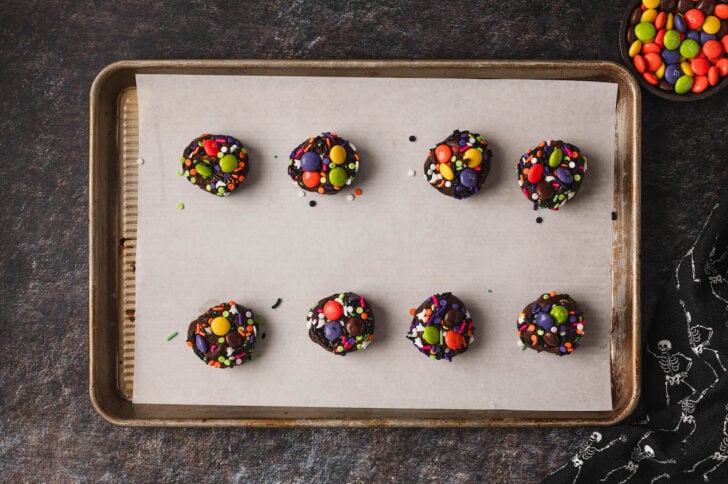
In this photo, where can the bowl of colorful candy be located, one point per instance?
(678, 49)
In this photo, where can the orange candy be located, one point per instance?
(650, 48)
(712, 49)
(650, 78)
(721, 11)
(443, 153)
(699, 66)
(639, 63)
(713, 76)
(700, 84)
(311, 178)
(722, 66)
(454, 340)
(653, 60)
(333, 310)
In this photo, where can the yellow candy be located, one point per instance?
(220, 326)
(635, 48)
(446, 171)
(711, 24)
(337, 154)
(648, 15)
(651, 3)
(660, 73)
(687, 70)
(670, 23)
(473, 157)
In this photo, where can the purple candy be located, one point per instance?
(680, 24)
(693, 34)
(672, 73)
(469, 178)
(564, 175)
(200, 343)
(704, 37)
(333, 330)
(310, 161)
(544, 321)
(670, 56)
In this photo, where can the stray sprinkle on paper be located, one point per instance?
(172, 336)
(277, 303)
(140, 161)
(350, 197)
(410, 172)
(181, 206)
(301, 193)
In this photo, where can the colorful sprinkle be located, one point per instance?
(441, 327)
(217, 164)
(459, 165)
(172, 336)
(323, 164)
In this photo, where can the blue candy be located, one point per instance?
(310, 161)
(469, 178)
(333, 330)
(544, 320)
(564, 175)
(680, 24)
(672, 73)
(670, 56)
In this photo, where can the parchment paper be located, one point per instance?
(397, 244)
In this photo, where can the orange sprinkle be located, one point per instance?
(189, 343)
(541, 145)
(320, 190)
(232, 303)
(212, 363)
(572, 312)
(526, 171)
(241, 331)
(567, 344)
(371, 337)
(328, 143)
(241, 164)
(358, 192)
(531, 327)
(241, 177)
(356, 157)
(428, 312)
(364, 315)
(231, 186)
(218, 308)
(188, 162)
(193, 172)
(249, 328)
(195, 151)
(534, 339)
(552, 294)
(217, 364)
(575, 154)
(412, 311)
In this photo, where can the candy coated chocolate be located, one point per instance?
(323, 164)
(553, 323)
(458, 165)
(441, 327)
(341, 323)
(217, 164)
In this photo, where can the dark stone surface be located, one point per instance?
(50, 52)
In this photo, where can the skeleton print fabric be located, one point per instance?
(680, 430)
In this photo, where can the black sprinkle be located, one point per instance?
(539, 220)
(275, 156)
(262, 336)
(413, 138)
(614, 215)
(312, 203)
(278, 303)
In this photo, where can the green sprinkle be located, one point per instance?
(221, 340)
(181, 206)
(489, 291)
(172, 336)
(359, 310)
(226, 313)
(182, 160)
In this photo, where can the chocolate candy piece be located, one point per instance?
(458, 166)
(341, 323)
(216, 163)
(551, 173)
(224, 335)
(552, 323)
(441, 327)
(324, 164)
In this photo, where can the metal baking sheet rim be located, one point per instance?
(112, 215)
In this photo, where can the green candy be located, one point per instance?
(689, 49)
(228, 163)
(672, 39)
(560, 314)
(431, 335)
(337, 177)
(645, 31)
(555, 158)
(683, 84)
(203, 170)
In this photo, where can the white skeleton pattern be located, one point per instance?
(699, 337)
(638, 455)
(590, 451)
(675, 366)
(719, 456)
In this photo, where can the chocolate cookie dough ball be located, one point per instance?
(324, 164)
(341, 323)
(224, 336)
(441, 327)
(215, 163)
(552, 323)
(458, 166)
(551, 173)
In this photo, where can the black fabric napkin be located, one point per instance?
(679, 432)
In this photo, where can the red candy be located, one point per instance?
(211, 147)
(650, 48)
(311, 178)
(535, 173)
(650, 78)
(724, 43)
(699, 66)
(639, 63)
(653, 61)
(722, 66)
(694, 18)
(660, 20)
(333, 310)
(712, 49)
(443, 153)
(660, 38)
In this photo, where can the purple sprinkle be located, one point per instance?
(456, 306)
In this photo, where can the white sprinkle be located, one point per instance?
(448, 184)
(534, 196)
(410, 173)
(140, 161)
(572, 165)
(350, 197)
(554, 329)
(224, 149)
(301, 193)
(238, 361)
